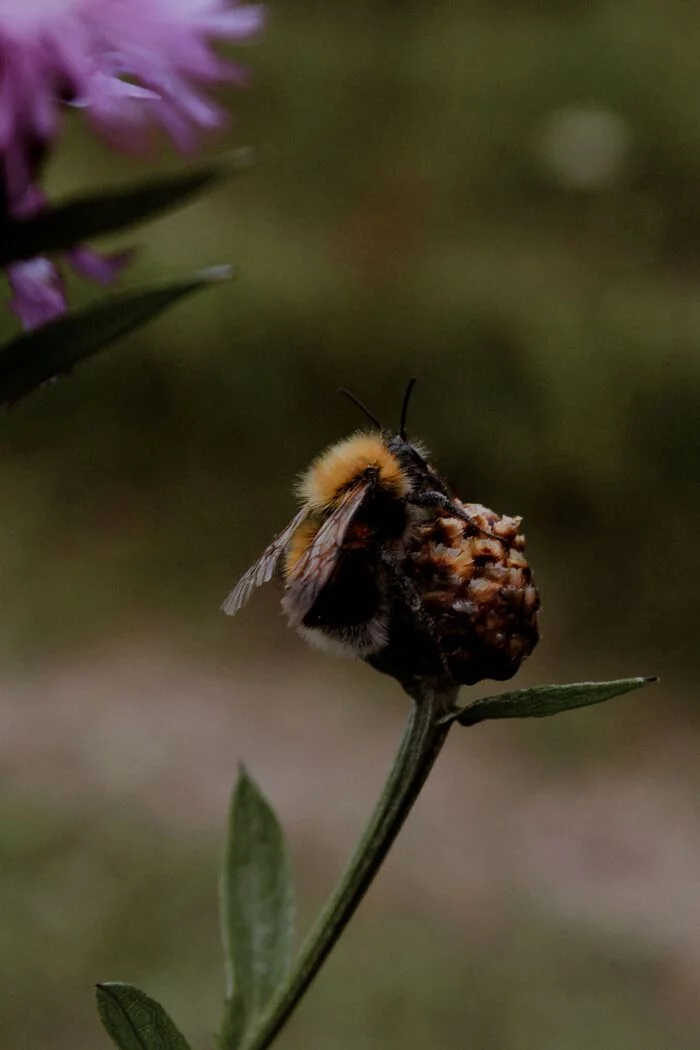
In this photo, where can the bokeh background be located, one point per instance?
(501, 199)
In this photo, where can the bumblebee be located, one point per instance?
(383, 562)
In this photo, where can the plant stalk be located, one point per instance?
(421, 743)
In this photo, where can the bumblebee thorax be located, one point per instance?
(335, 470)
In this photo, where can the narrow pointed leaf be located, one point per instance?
(234, 1024)
(134, 1021)
(90, 216)
(543, 700)
(35, 357)
(257, 909)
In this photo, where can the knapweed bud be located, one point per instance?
(476, 616)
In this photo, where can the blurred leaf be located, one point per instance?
(257, 909)
(234, 1024)
(37, 356)
(79, 220)
(543, 700)
(134, 1021)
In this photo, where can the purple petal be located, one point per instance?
(39, 295)
(241, 24)
(108, 57)
(97, 267)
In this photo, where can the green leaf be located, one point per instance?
(543, 700)
(89, 216)
(37, 356)
(257, 909)
(134, 1021)
(234, 1024)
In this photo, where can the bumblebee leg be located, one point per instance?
(407, 593)
(443, 502)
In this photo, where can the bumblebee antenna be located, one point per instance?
(363, 408)
(404, 407)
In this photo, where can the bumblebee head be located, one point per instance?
(407, 460)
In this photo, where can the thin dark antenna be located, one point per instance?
(404, 407)
(363, 408)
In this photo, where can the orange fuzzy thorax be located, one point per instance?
(336, 468)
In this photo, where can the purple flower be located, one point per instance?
(39, 294)
(127, 65)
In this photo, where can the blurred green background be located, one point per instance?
(501, 199)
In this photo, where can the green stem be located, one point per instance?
(420, 745)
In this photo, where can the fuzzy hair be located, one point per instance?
(360, 640)
(336, 468)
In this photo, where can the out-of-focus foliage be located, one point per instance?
(256, 902)
(67, 223)
(47, 353)
(135, 1021)
(501, 199)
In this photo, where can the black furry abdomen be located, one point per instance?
(351, 596)
(354, 593)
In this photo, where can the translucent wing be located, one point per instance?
(261, 571)
(314, 568)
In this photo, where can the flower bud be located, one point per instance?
(475, 610)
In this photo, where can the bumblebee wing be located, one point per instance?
(261, 571)
(315, 566)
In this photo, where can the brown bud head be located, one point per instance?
(479, 604)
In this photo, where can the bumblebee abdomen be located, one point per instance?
(352, 596)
